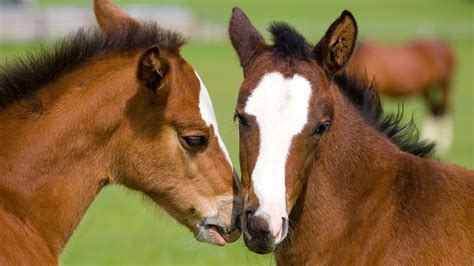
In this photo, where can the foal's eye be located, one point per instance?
(242, 120)
(322, 128)
(194, 141)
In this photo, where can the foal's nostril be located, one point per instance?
(249, 213)
(257, 226)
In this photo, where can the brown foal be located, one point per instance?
(116, 105)
(327, 178)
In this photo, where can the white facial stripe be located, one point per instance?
(281, 109)
(207, 114)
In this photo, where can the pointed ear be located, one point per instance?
(336, 47)
(152, 69)
(247, 41)
(111, 19)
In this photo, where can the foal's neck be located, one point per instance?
(54, 151)
(347, 192)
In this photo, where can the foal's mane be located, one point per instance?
(291, 45)
(364, 96)
(23, 77)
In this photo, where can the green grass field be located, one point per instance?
(122, 228)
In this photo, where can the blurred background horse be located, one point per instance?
(420, 67)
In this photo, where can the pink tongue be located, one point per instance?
(216, 237)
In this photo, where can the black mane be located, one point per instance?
(21, 78)
(364, 96)
(291, 45)
(288, 43)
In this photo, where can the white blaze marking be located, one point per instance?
(281, 109)
(207, 114)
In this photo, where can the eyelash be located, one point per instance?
(319, 131)
(194, 140)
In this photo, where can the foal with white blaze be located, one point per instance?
(280, 107)
(327, 178)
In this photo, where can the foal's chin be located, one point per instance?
(260, 236)
(215, 235)
(259, 245)
(220, 228)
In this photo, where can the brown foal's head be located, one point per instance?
(285, 107)
(169, 147)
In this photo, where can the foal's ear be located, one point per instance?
(247, 41)
(336, 47)
(152, 69)
(111, 19)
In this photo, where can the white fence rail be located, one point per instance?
(23, 23)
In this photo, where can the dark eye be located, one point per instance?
(242, 120)
(194, 141)
(322, 128)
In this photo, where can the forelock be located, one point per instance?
(288, 43)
